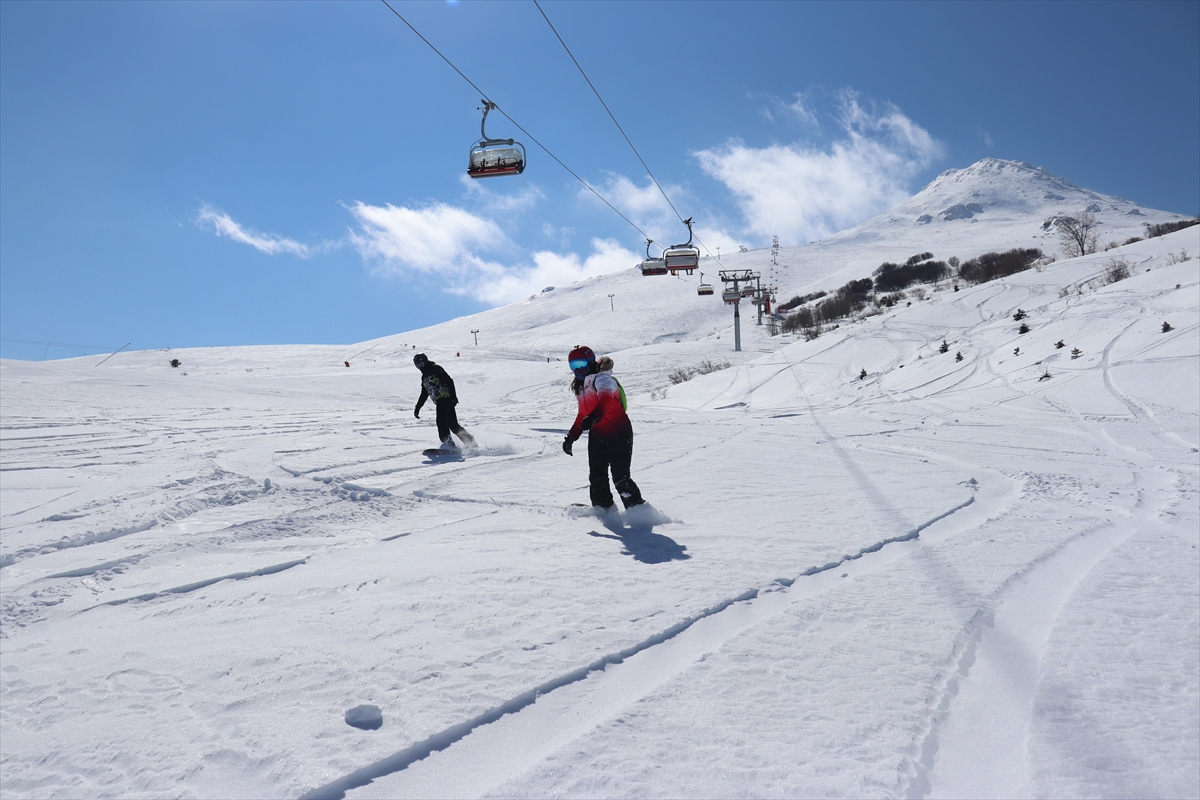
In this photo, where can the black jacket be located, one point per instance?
(436, 385)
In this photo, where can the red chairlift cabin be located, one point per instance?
(704, 289)
(732, 296)
(494, 158)
(653, 266)
(682, 257)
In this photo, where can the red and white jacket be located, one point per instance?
(601, 408)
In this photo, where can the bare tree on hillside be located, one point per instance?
(1078, 234)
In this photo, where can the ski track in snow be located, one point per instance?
(508, 747)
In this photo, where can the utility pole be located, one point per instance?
(610, 303)
(475, 333)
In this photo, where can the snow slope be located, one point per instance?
(948, 578)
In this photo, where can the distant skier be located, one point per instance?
(610, 433)
(438, 386)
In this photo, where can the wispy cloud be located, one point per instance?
(804, 192)
(267, 243)
(646, 206)
(448, 242)
(508, 203)
(548, 269)
(437, 239)
(799, 109)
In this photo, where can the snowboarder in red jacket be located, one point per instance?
(438, 386)
(610, 433)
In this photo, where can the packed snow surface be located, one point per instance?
(950, 577)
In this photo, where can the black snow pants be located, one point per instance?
(447, 422)
(615, 453)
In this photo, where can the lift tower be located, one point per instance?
(733, 293)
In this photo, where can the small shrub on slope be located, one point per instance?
(1163, 228)
(990, 266)
(1117, 269)
(799, 301)
(703, 368)
(894, 277)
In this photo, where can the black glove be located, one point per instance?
(567, 446)
(417, 412)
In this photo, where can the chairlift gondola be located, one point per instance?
(493, 158)
(653, 266)
(731, 296)
(704, 289)
(747, 291)
(683, 257)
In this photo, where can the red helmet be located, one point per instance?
(581, 357)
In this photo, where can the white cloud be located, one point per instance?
(445, 241)
(525, 198)
(803, 192)
(438, 239)
(646, 206)
(548, 269)
(800, 109)
(263, 242)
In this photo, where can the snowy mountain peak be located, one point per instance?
(996, 183)
(987, 168)
(997, 204)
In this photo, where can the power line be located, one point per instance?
(106, 358)
(515, 123)
(58, 344)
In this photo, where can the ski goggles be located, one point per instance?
(580, 363)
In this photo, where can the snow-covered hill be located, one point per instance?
(972, 576)
(1017, 203)
(990, 206)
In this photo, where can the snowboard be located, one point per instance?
(437, 451)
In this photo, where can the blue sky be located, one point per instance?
(210, 173)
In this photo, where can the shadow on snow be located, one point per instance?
(641, 541)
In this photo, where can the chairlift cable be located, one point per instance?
(606, 108)
(622, 130)
(514, 122)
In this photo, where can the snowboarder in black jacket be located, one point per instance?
(438, 386)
